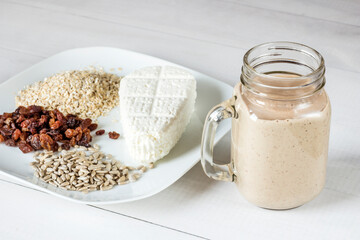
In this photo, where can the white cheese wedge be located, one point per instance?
(156, 104)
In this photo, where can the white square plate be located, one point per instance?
(182, 157)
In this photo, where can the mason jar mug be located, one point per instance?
(280, 127)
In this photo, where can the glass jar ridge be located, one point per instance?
(283, 70)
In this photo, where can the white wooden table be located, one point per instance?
(210, 36)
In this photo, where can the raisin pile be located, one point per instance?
(34, 128)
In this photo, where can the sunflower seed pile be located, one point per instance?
(84, 169)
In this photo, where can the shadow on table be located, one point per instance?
(199, 181)
(342, 182)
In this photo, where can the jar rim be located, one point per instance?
(287, 45)
(283, 70)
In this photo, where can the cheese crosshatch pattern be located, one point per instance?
(156, 105)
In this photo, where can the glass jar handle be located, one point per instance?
(215, 116)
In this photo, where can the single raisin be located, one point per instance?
(72, 142)
(25, 125)
(6, 131)
(100, 132)
(6, 115)
(114, 135)
(58, 137)
(66, 146)
(35, 142)
(20, 119)
(78, 136)
(29, 138)
(78, 133)
(16, 135)
(63, 127)
(33, 123)
(55, 147)
(24, 136)
(2, 139)
(55, 125)
(71, 122)
(34, 109)
(8, 121)
(46, 142)
(19, 109)
(43, 119)
(33, 130)
(92, 127)
(24, 147)
(85, 123)
(10, 142)
(61, 118)
(86, 138)
(43, 131)
(70, 133)
(79, 130)
(87, 133)
(13, 125)
(52, 121)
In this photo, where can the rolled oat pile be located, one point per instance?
(88, 93)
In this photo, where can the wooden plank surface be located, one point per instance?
(211, 37)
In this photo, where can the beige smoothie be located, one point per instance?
(281, 163)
